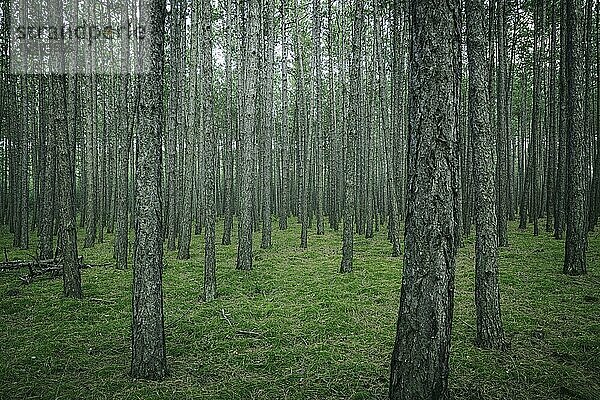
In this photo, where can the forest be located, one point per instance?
(300, 199)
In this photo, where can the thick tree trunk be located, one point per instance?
(595, 189)
(487, 294)
(419, 366)
(576, 238)
(148, 359)
(66, 173)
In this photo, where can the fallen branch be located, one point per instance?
(52, 271)
(249, 333)
(11, 265)
(38, 268)
(98, 300)
(52, 263)
(225, 317)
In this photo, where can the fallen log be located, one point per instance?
(38, 268)
(10, 265)
(54, 272)
(17, 264)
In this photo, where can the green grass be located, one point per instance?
(322, 334)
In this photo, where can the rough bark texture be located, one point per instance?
(419, 366)
(266, 157)
(553, 117)
(536, 112)
(352, 133)
(487, 294)
(249, 27)
(595, 189)
(285, 164)
(148, 359)
(66, 214)
(229, 130)
(394, 220)
(123, 141)
(91, 165)
(210, 152)
(316, 116)
(46, 228)
(576, 238)
(501, 130)
(561, 173)
(303, 132)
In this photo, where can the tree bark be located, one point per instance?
(210, 152)
(487, 294)
(576, 238)
(148, 359)
(501, 129)
(228, 209)
(351, 136)
(419, 366)
(267, 159)
(249, 44)
(66, 173)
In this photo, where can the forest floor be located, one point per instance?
(296, 328)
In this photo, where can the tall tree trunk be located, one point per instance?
(228, 209)
(487, 294)
(351, 136)
(285, 142)
(65, 174)
(303, 132)
(46, 228)
(91, 165)
(123, 148)
(148, 359)
(595, 189)
(266, 158)
(333, 125)
(189, 136)
(65, 138)
(536, 113)
(387, 135)
(249, 46)
(551, 168)
(576, 238)
(501, 129)
(419, 366)
(210, 151)
(561, 173)
(316, 114)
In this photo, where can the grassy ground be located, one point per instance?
(321, 335)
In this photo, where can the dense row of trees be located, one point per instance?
(364, 114)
